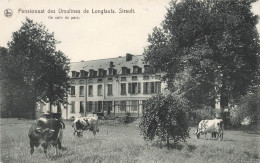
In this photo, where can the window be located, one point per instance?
(123, 78)
(100, 80)
(157, 87)
(109, 107)
(145, 87)
(110, 89)
(134, 105)
(135, 69)
(123, 88)
(72, 107)
(81, 90)
(81, 109)
(90, 90)
(109, 79)
(152, 88)
(99, 90)
(90, 106)
(146, 77)
(100, 105)
(134, 88)
(125, 70)
(72, 91)
(75, 74)
(100, 72)
(91, 73)
(90, 80)
(134, 78)
(81, 82)
(110, 71)
(122, 105)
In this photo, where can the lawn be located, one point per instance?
(122, 143)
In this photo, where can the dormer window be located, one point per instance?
(75, 74)
(100, 72)
(91, 73)
(125, 70)
(137, 69)
(83, 73)
(95, 73)
(112, 71)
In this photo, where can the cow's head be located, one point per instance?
(79, 134)
(197, 133)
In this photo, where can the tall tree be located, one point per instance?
(42, 71)
(208, 49)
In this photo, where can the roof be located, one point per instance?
(119, 62)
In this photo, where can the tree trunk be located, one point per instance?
(168, 142)
(223, 101)
(50, 107)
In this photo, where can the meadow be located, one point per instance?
(122, 143)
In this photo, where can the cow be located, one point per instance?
(215, 126)
(46, 132)
(85, 123)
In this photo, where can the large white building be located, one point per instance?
(109, 86)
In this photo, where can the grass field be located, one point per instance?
(122, 143)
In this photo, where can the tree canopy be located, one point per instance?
(208, 49)
(34, 67)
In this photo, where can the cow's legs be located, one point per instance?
(32, 148)
(198, 135)
(45, 146)
(94, 132)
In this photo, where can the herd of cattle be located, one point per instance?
(49, 131)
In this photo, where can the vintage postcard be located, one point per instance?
(129, 81)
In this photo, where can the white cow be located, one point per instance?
(85, 123)
(215, 126)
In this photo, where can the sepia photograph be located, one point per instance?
(130, 81)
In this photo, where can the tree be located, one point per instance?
(247, 108)
(164, 118)
(208, 49)
(35, 67)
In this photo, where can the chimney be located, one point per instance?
(111, 64)
(128, 57)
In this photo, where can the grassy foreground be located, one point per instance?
(122, 143)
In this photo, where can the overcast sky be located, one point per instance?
(93, 35)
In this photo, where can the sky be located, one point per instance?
(92, 35)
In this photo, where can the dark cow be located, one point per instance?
(46, 132)
(215, 126)
(85, 123)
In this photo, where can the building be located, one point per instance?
(109, 86)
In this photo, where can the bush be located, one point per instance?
(126, 119)
(109, 117)
(165, 118)
(247, 109)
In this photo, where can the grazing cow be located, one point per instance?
(85, 123)
(215, 126)
(46, 132)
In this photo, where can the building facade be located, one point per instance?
(109, 86)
